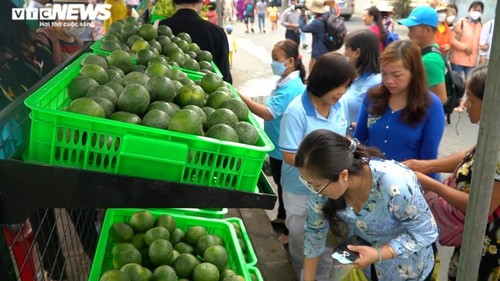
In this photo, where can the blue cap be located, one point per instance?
(423, 15)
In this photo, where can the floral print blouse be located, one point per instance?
(395, 213)
(489, 268)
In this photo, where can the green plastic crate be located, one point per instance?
(155, 17)
(249, 253)
(216, 213)
(256, 272)
(73, 140)
(96, 49)
(103, 259)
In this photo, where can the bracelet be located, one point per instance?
(379, 255)
(393, 253)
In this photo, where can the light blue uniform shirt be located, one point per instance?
(286, 90)
(299, 120)
(357, 92)
(395, 213)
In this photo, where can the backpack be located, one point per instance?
(248, 10)
(335, 31)
(455, 84)
(391, 37)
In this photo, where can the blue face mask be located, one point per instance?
(278, 67)
(18, 3)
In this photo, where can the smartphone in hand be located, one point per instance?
(348, 254)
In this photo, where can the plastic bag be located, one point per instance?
(343, 272)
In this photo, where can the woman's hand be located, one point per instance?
(425, 181)
(367, 255)
(484, 47)
(417, 165)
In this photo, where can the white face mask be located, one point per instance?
(450, 19)
(74, 31)
(474, 15)
(441, 17)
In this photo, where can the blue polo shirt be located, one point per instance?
(357, 92)
(286, 90)
(300, 119)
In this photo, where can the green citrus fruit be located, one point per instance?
(186, 121)
(134, 98)
(217, 98)
(80, 85)
(216, 255)
(237, 106)
(114, 275)
(222, 116)
(95, 59)
(164, 273)
(246, 132)
(161, 88)
(211, 81)
(206, 272)
(156, 119)
(166, 221)
(86, 106)
(194, 233)
(96, 72)
(123, 257)
(156, 233)
(206, 241)
(160, 251)
(135, 77)
(141, 221)
(163, 106)
(147, 32)
(184, 265)
(120, 59)
(135, 272)
(121, 232)
(126, 117)
(222, 132)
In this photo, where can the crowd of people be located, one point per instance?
(356, 134)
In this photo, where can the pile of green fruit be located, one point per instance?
(155, 249)
(144, 42)
(156, 95)
(165, 8)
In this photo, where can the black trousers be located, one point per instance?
(276, 172)
(293, 35)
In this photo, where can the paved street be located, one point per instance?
(253, 77)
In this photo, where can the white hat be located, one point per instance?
(316, 6)
(383, 7)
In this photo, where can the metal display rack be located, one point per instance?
(51, 216)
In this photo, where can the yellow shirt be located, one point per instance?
(118, 11)
(272, 11)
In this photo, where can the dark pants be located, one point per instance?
(293, 35)
(276, 171)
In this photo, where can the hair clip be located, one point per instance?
(354, 144)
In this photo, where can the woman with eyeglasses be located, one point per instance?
(358, 193)
(320, 107)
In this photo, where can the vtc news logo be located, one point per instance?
(64, 12)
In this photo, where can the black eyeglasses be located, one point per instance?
(311, 187)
